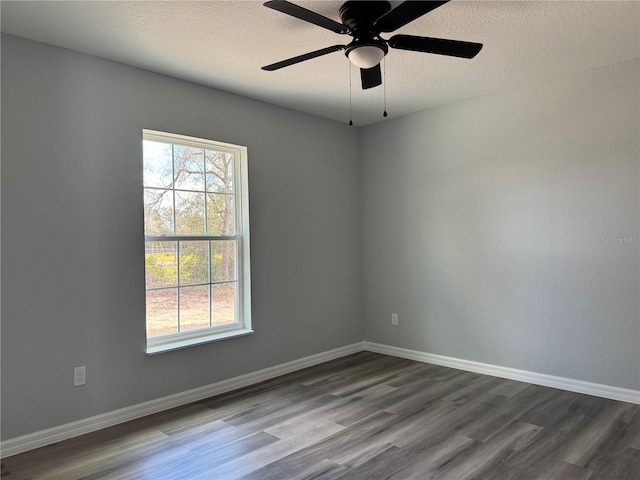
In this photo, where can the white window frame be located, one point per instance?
(173, 341)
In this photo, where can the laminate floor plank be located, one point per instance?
(501, 415)
(413, 374)
(613, 448)
(509, 388)
(246, 463)
(588, 404)
(359, 405)
(356, 372)
(486, 456)
(633, 432)
(417, 398)
(106, 464)
(427, 462)
(383, 465)
(200, 441)
(445, 374)
(293, 429)
(231, 449)
(595, 435)
(175, 419)
(217, 429)
(363, 416)
(469, 391)
(369, 380)
(626, 433)
(370, 448)
(543, 455)
(443, 419)
(75, 457)
(551, 410)
(567, 471)
(270, 415)
(401, 393)
(237, 405)
(172, 462)
(625, 466)
(324, 469)
(350, 443)
(241, 406)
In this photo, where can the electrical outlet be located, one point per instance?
(394, 319)
(79, 376)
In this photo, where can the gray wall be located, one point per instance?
(72, 234)
(491, 227)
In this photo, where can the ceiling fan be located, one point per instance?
(365, 21)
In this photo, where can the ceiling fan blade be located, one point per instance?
(306, 15)
(302, 58)
(440, 46)
(404, 13)
(371, 77)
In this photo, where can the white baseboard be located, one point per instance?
(579, 386)
(63, 432)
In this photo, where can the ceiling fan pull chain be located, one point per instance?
(384, 84)
(350, 119)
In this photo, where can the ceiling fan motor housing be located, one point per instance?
(359, 16)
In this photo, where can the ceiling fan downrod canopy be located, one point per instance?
(365, 21)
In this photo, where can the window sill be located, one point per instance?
(190, 342)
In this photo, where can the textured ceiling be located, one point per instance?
(223, 44)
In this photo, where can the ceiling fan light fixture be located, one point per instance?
(366, 56)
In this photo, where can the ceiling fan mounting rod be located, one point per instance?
(362, 14)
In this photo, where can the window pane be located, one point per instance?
(162, 312)
(219, 171)
(189, 168)
(194, 262)
(223, 303)
(194, 308)
(158, 211)
(161, 267)
(220, 214)
(223, 265)
(189, 212)
(158, 167)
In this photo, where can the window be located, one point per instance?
(196, 227)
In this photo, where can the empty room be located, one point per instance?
(320, 240)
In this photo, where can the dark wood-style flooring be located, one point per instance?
(365, 416)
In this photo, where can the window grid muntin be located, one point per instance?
(173, 287)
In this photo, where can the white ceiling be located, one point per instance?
(223, 44)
